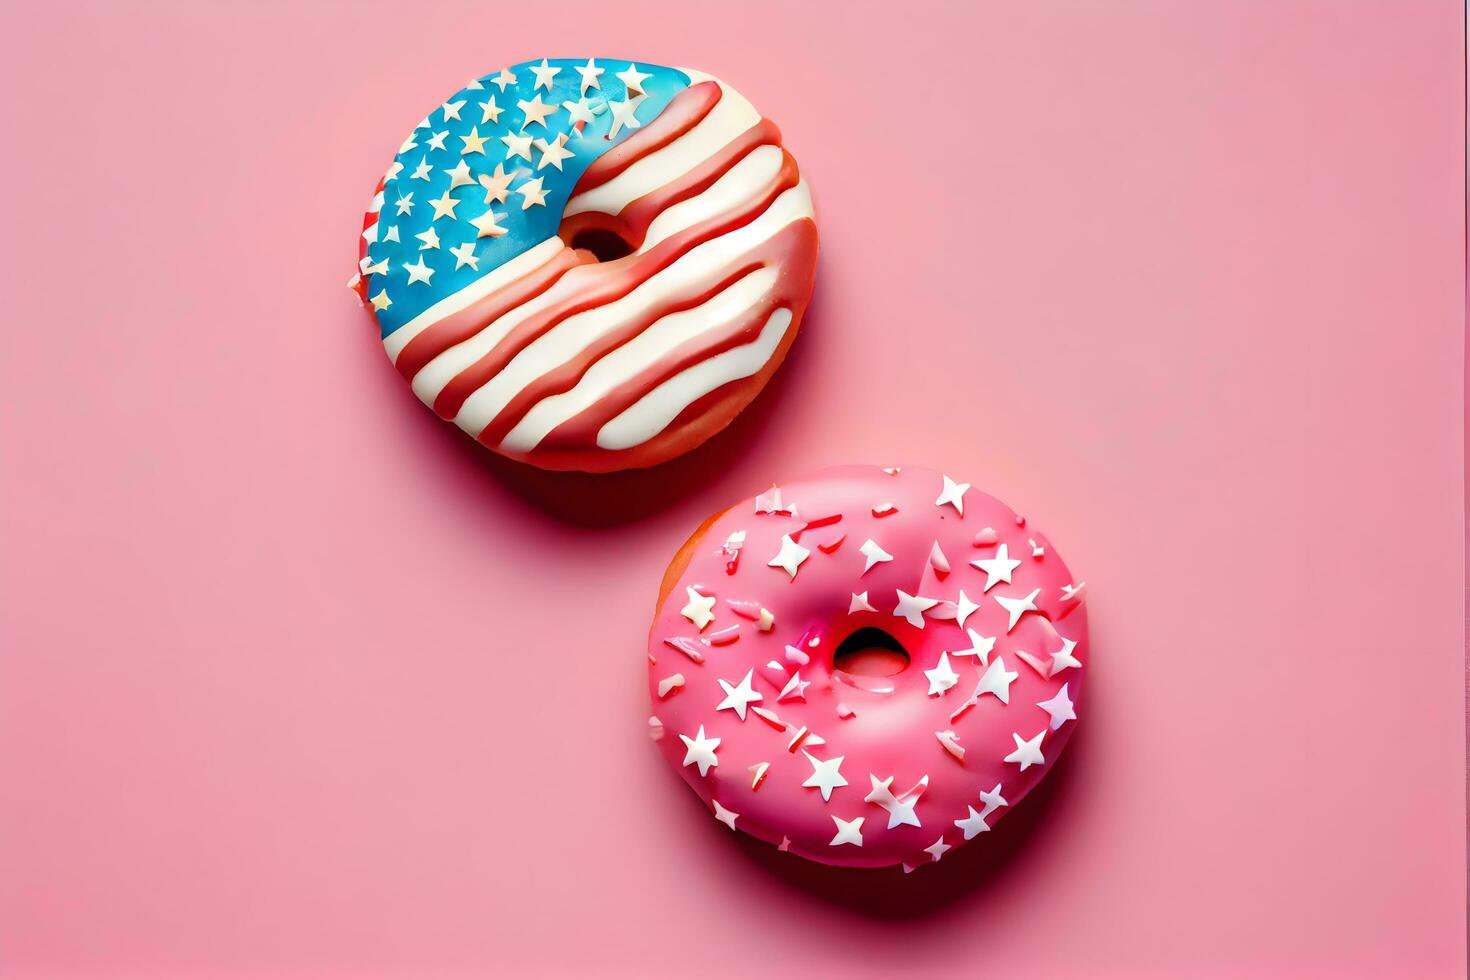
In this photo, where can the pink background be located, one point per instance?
(1181, 282)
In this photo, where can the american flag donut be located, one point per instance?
(867, 667)
(589, 264)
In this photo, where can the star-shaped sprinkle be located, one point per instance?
(418, 272)
(437, 140)
(423, 171)
(848, 831)
(937, 849)
(504, 78)
(1063, 658)
(582, 111)
(825, 774)
(899, 811)
(517, 145)
(624, 116)
(1059, 706)
(726, 817)
(964, 608)
(980, 647)
(535, 112)
(699, 609)
(996, 680)
(738, 697)
(459, 174)
(381, 301)
(532, 193)
(486, 225)
(444, 206)
(633, 79)
(451, 109)
(497, 185)
(544, 74)
(464, 255)
(993, 801)
(911, 608)
(405, 203)
(973, 825)
(954, 495)
(473, 142)
(860, 603)
(941, 677)
(997, 569)
(795, 689)
(1018, 607)
(874, 554)
(1071, 592)
(1028, 751)
(757, 774)
(430, 239)
(590, 74)
(790, 557)
(554, 152)
(701, 751)
(490, 112)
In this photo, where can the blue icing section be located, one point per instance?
(483, 143)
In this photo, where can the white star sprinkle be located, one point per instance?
(941, 677)
(964, 608)
(859, 603)
(582, 111)
(1018, 607)
(444, 206)
(993, 801)
(954, 495)
(497, 185)
(937, 849)
(535, 112)
(726, 817)
(490, 111)
(517, 145)
(533, 193)
(997, 569)
(1059, 706)
(544, 74)
(590, 73)
(633, 79)
(874, 554)
(504, 78)
(911, 608)
(848, 832)
(486, 225)
(701, 751)
(423, 171)
(1028, 751)
(405, 203)
(418, 272)
(996, 680)
(795, 689)
(459, 174)
(1063, 658)
(973, 825)
(790, 557)
(624, 116)
(980, 646)
(464, 255)
(899, 811)
(554, 152)
(430, 239)
(451, 109)
(739, 696)
(825, 774)
(699, 609)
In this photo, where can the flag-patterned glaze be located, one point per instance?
(589, 264)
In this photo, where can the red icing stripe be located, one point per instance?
(565, 376)
(631, 223)
(459, 327)
(623, 277)
(681, 115)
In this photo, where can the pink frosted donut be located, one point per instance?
(867, 667)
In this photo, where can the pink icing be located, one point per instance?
(946, 753)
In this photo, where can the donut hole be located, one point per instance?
(870, 652)
(604, 245)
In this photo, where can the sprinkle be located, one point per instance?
(937, 561)
(1020, 521)
(770, 502)
(689, 648)
(1073, 592)
(795, 689)
(769, 717)
(814, 740)
(1037, 551)
(700, 608)
(801, 736)
(832, 546)
(671, 683)
(755, 612)
(884, 509)
(797, 656)
(726, 636)
(908, 869)
(891, 470)
(843, 711)
(951, 744)
(874, 553)
(731, 551)
(655, 728)
(759, 771)
(860, 603)
(985, 538)
(785, 844)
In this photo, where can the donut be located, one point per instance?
(589, 264)
(868, 667)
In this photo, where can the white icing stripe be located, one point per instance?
(571, 336)
(640, 354)
(756, 169)
(484, 286)
(652, 413)
(730, 117)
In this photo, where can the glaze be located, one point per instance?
(856, 768)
